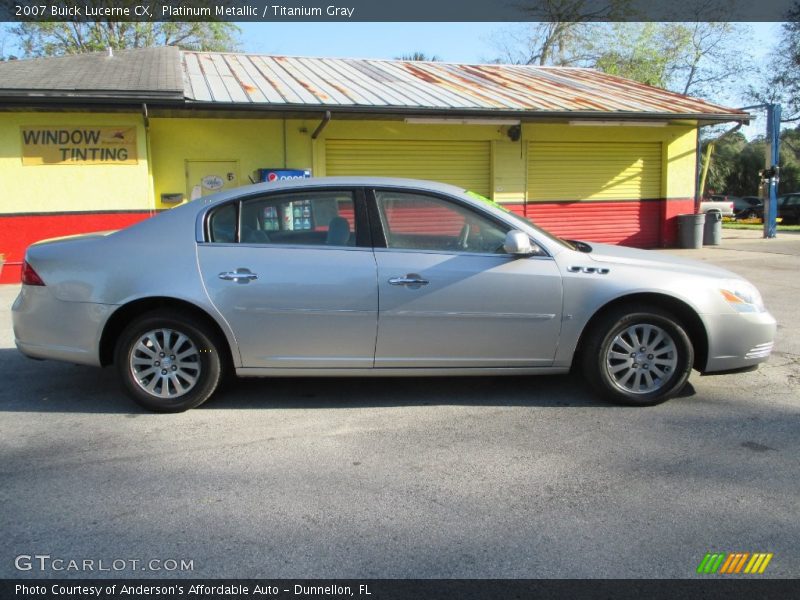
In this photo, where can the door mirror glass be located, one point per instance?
(518, 242)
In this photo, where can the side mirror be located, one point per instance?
(518, 243)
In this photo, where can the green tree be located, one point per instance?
(639, 52)
(56, 39)
(699, 58)
(418, 57)
(780, 79)
(557, 33)
(735, 164)
(724, 161)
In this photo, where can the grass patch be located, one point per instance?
(759, 226)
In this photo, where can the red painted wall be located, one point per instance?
(639, 223)
(17, 232)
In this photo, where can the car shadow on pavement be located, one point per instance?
(46, 386)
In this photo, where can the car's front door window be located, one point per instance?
(413, 221)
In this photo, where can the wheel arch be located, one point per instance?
(121, 317)
(689, 318)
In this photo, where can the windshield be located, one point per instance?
(520, 219)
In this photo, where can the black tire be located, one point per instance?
(606, 336)
(205, 365)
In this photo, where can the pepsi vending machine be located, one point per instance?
(295, 215)
(281, 174)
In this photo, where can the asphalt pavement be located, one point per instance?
(517, 477)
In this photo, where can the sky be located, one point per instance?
(451, 42)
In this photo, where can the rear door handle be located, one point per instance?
(412, 280)
(240, 275)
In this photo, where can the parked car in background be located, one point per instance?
(356, 276)
(789, 209)
(748, 207)
(718, 203)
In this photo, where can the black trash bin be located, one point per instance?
(712, 233)
(690, 230)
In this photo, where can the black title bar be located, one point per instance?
(278, 11)
(381, 589)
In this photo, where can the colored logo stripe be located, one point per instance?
(734, 563)
(758, 563)
(710, 563)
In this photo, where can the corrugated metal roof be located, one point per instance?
(383, 85)
(294, 84)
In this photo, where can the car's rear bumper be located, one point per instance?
(738, 341)
(45, 327)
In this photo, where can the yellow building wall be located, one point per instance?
(509, 159)
(259, 142)
(398, 130)
(678, 148)
(509, 168)
(253, 143)
(70, 187)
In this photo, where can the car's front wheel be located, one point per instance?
(168, 362)
(637, 356)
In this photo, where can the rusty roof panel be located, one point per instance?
(212, 77)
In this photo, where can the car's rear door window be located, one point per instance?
(303, 218)
(222, 224)
(316, 218)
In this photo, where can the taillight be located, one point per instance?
(29, 276)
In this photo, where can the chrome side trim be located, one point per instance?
(588, 270)
(470, 315)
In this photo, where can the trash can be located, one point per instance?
(712, 233)
(690, 230)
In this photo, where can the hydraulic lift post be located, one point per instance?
(771, 174)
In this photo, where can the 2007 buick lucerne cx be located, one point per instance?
(373, 276)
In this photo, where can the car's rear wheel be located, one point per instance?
(168, 362)
(637, 357)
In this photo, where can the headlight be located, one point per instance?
(742, 296)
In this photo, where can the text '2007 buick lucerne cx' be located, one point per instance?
(372, 276)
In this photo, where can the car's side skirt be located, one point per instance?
(401, 372)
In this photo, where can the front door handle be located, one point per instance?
(240, 275)
(412, 280)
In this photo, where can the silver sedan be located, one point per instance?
(371, 277)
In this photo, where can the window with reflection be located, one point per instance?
(420, 222)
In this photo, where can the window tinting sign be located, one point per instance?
(71, 145)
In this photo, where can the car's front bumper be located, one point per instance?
(738, 341)
(46, 327)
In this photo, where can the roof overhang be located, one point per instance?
(176, 105)
(528, 116)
